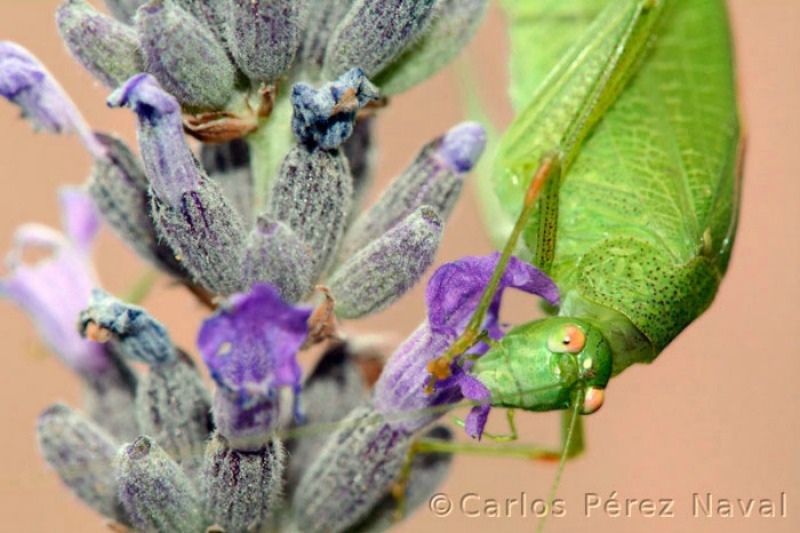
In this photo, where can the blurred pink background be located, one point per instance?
(715, 414)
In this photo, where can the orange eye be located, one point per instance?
(569, 338)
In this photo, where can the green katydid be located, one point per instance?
(628, 159)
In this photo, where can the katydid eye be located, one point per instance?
(569, 338)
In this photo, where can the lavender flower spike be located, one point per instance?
(250, 348)
(190, 211)
(325, 116)
(53, 291)
(27, 83)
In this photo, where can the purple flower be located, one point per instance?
(169, 163)
(452, 295)
(28, 84)
(251, 344)
(53, 291)
(250, 348)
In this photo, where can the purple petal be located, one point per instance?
(472, 389)
(28, 84)
(400, 388)
(462, 146)
(250, 346)
(81, 220)
(455, 289)
(476, 420)
(168, 160)
(53, 291)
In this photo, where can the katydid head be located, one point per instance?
(540, 365)
(592, 355)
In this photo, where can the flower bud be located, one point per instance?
(428, 471)
(368, 449)
(322, 19)
(108, 398)
(189, 210)
(185, 56)
(333, 389)
(435, 178)
(228, 164)
(263, 36)
(242, 488)
(155, 492)
(453, 24)
(82, 454)
(312, 195)
(373, 33)
(132, 331)
(120, 190)
(124, 10)
(210, 13)
(275, 255)
(385, 269)
(173, 406)
(106, 47)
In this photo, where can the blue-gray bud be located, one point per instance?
(132, 331)
(325, 116)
